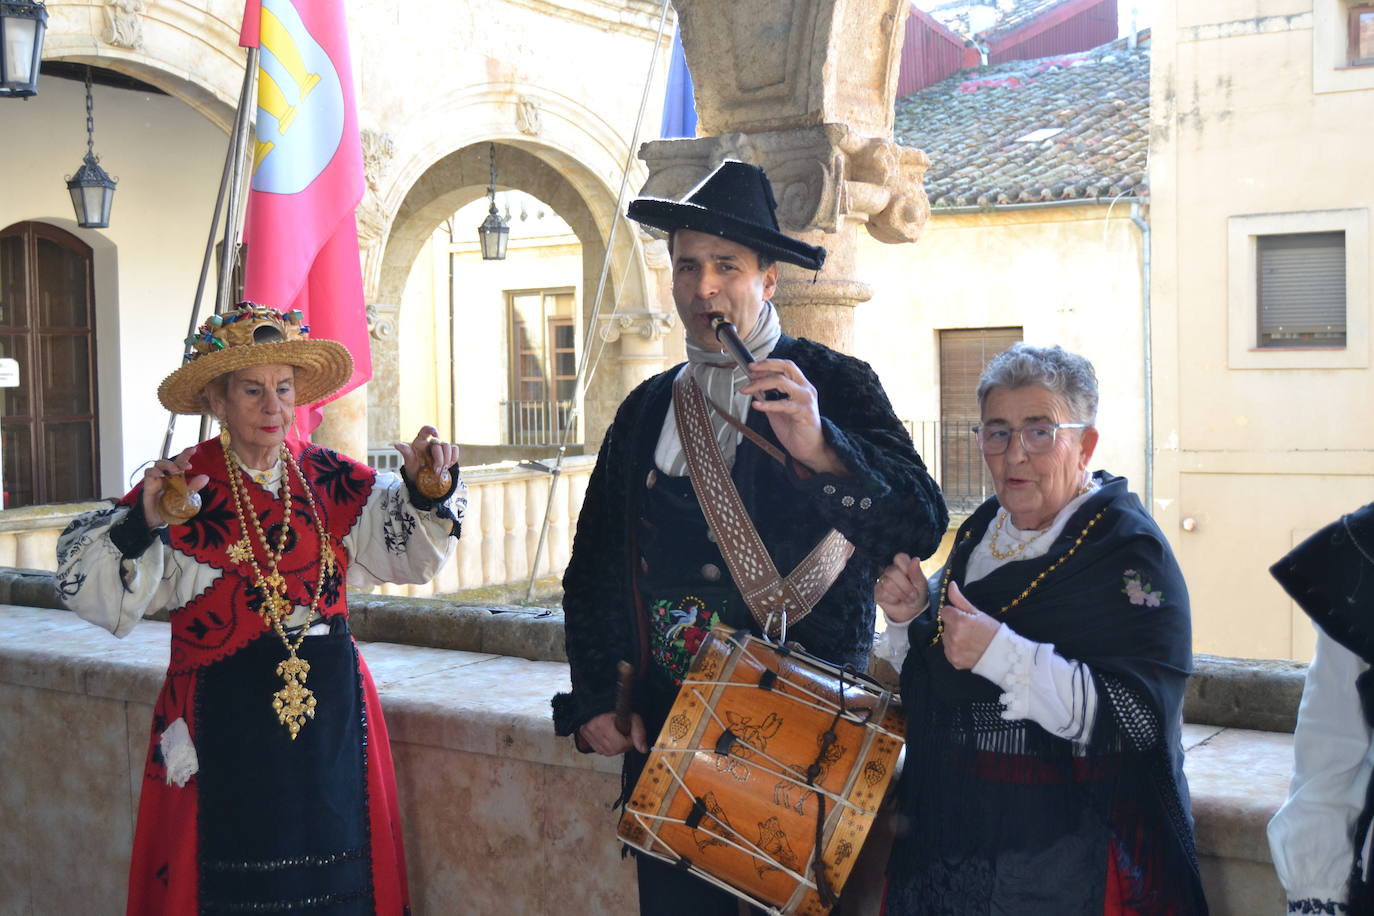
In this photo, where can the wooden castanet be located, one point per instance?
(431, 481)
(177, 503)
(726, 789)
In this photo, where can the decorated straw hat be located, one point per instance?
(255, 335)
(734, 202)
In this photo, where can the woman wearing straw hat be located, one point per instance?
(268, 784)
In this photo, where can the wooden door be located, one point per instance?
(47, 323)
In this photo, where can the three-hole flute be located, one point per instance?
(734, 345)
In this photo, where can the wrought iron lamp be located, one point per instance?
(92, 188)
(494, 231)
(22, 27)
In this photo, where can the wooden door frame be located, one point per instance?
(30, 232)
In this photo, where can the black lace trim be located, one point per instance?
(1136, 719)
(439, 507)
(131, 534)
(1314, 905)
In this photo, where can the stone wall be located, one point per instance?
(486, 789)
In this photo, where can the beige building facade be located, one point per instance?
(1067, 275)
(1260, 127)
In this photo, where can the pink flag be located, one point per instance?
(300, 233)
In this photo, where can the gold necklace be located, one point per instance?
(944, 584)
(294, 703)
(1003, 515)
(1020, 547)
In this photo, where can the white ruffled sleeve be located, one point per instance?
(1310, 836)
(393, 541)
(1040, 684)
(111, 570)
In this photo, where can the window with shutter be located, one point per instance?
(543, 360)
(1301, 289)
(964, 353)
(1298, 290)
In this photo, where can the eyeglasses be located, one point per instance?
(1036, 438)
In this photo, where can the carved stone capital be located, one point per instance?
(381, 320)
(648, 326)
(821, 176)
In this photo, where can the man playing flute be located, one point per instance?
(663, 551)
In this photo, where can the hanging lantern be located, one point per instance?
(494, 231)
(22, 26)
(92, 188)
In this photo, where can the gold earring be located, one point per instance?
(224, 438)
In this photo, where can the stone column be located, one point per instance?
(344, 427)
(641, 337)
(383, 404)
(805, 89)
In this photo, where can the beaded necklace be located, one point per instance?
(1020, 547)
(294, 703)
(1003, 515)
(1035, 583)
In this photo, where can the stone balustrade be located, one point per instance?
(486, 788)
(506, 506)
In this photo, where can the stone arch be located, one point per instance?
(182, 48)
(548, 145)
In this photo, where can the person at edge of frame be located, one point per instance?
(1319, 839)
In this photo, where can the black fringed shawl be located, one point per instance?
(983, 797)
(1331, 577)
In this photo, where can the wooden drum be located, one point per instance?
(726, 793)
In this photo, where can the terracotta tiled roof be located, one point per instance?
(972, 126)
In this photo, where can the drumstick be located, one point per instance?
(734, 345)
(624, 695)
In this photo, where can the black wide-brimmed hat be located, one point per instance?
(734, 202)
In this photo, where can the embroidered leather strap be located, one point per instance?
(763, 589)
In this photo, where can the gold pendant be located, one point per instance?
(294, 703)
(241, 551)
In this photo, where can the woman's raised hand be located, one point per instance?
(154, 479)
(427, 448)
(901, 591)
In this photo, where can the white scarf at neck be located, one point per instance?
(720, 380)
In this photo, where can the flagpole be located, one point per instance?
(233, 217)
(233, 222)
(232, 170)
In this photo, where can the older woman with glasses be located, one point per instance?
(1042, 675)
